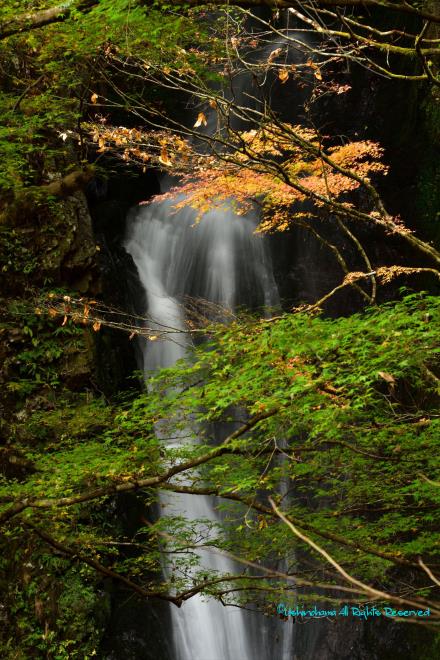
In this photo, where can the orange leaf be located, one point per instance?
(283, 75)
(96, 326)
(201, 119)
(94, 97)
(274, 54)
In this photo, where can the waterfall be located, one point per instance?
(220, 260)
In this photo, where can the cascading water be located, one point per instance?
(223, 261)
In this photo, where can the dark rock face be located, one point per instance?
(43, 367)
(78, 249)
(55, 249)
(109, 203)
(137, 632)
(352, 639)
(136, 629)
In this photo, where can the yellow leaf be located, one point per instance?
(96, 326)
(386, 376)
(52, 312)
(262, 524)
(94, 97)
(274, 54)
(318, 75)
(283, 75)
(164, 157)
(152, 337)
(201, 119)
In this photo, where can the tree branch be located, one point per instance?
(261, 508)
(136, 484)
(403, 7)
(38, 19)
(367, 589)
(97, 566)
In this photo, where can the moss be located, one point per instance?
(77, 417)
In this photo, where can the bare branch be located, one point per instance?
(365, 588)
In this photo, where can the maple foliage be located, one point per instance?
(279, 167)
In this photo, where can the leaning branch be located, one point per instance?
(96, 565)
(29, 198)
(367, 589)
(252, 503)
(68, 184)
(136, 484)
(39, 19)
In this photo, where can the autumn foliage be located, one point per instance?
(280, 170)
(277, 166)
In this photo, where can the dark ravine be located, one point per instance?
(76, 244)
(298, 283)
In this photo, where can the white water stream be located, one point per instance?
(223, 261)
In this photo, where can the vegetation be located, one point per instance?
(314, 403)
(329, 463)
